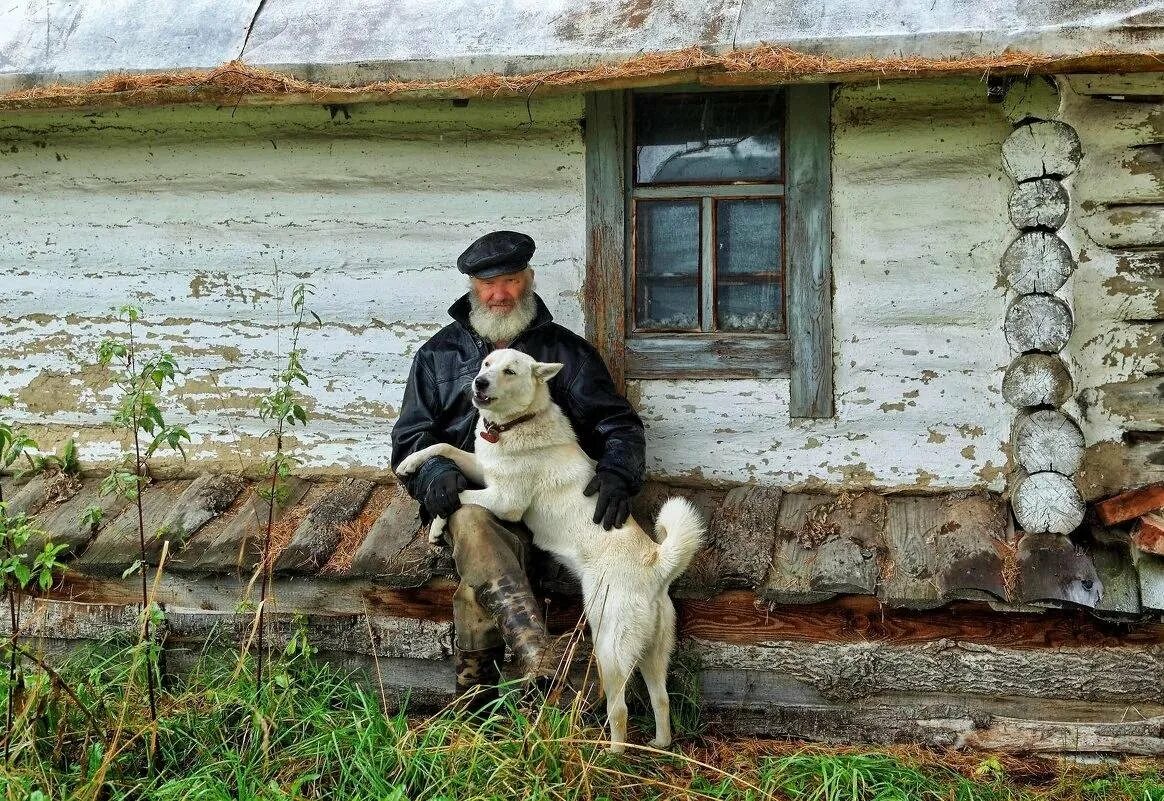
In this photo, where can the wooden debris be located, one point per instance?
(1036, 379)
(1041, 203)
(1037, 322)
(1037, 261)
(317, 536)
(1052, 568)
(1040, 149)
(1149, 534)
(1047, 502)
(1127, 505)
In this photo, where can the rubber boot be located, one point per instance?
(523, 627)
(478, 673)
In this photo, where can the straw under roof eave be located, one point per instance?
(238, 83)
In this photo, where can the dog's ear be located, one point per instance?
(546, 370)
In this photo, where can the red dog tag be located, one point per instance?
(488, 436)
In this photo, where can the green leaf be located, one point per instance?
(132, 569)
(22, 573)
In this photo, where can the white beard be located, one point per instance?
(501, 327)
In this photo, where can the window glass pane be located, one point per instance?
(667, 264)
(748, 265)
(707, 137)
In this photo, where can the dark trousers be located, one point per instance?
(491, 557)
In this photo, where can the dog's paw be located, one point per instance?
(660, 744)
(436, 532)
(409, 466)
(616, 748)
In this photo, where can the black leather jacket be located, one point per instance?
(437, 408)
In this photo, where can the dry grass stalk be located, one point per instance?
(352, 532)
(237, 79)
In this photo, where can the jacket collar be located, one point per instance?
(459, 311)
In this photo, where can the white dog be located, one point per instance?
(535, 471)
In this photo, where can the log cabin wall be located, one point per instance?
(187, 211)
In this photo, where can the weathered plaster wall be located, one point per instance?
(919, 222)
(187, 212)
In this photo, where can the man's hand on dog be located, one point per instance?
(443, 496)
(613, 506)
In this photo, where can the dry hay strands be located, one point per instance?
(235, 80)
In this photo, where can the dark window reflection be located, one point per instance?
(707, 138)
(748, 274)
(667, 264)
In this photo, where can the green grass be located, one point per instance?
(316, 734)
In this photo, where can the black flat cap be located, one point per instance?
(495, 254)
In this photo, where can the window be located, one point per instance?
(708, 214)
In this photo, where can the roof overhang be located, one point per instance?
(116, 52)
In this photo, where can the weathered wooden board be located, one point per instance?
(318, 534)
(851, 671)
(1138, 404)
(1117, 574)
(1150, 569)
(1111, 467)
(235, 542)
(1137, 225)
(380, 552)
(909, 576)
(970, 548)
(28, 498)
(117, 545)
(63, 525)
(1117, 174)
(827, 545)
(743, 531)
(1142, 84)
(945, 721)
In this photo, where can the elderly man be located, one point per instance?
(494, 605)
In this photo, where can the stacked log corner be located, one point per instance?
(1047, 444)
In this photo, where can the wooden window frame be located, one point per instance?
(802, 354)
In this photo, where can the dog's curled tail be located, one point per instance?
(679, 531)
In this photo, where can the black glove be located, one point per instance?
(442, 497)
(613, 507)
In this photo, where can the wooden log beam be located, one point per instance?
(1037, 322)
(1047, 502)
(1041, 203)
(1037, 261)
(736, 616)
(1032, 98)
(1048, 439)
(1036, 379)
(1044, 148)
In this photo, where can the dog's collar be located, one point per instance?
(493, 431)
